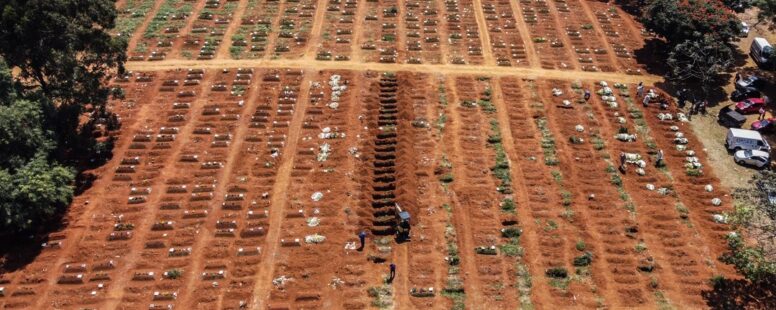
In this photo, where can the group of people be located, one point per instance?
(391, 267)
(646, 98)
(698, 106)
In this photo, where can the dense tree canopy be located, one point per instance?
(700, 60)
(682, 20)
(62, 56)
(32, 187)
(767, 9)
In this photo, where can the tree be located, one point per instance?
(682, 20)
(33, 195)
(33, 189)
(65, 55)
(754, 214)
(767, 10)
(699, 61)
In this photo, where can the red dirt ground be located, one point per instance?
(216, 176)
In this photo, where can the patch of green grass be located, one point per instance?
(441, 122)
(662, 302)
(381, 296)
(581, 246)
(512, 248)
(551, 225)
(556, 174)
(616, 180)
(508, 205)
(640, 247)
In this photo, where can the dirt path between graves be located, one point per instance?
(138, 35)
(450, 69)
(482, 27)
(266, 270)
(223, 50)
(315, 33)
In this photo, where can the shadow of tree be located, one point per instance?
(741, 294)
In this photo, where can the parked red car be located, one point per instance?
(751, 105)
(763, 125)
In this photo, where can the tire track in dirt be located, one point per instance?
(608, 228)
(274, 31)
(266, 269)
(425, 270)
(506, 111)
(525, 34)
(116, 291)
(177, 47)
(401, 38)
(234, 25)
(531, 73)
(207, 230)
(315, 33)
(78, 227)
(482, 26)
(474, 296)
(541, 194)
(560, 30)
(417, 259)
(138, 35)
(443, 32)
(697, 210)
(661, 224)
(601, 35)
(358, 28)
(478, 214)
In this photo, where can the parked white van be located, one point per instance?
(742, 139)
(761, 51)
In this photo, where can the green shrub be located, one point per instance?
(583, 260)
(557, 272)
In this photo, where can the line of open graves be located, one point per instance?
(233, 200)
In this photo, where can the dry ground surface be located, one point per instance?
(223, 180)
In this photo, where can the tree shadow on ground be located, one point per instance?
(741, 294)
(653, 56)
(20, 250)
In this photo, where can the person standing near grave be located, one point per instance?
(640, 90)
(681, 97)
(587, 95)
(362, 238)
(392, 273)
(659, 161)
(622, 162)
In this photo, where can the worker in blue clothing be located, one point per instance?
(393, 273)
(362, 238)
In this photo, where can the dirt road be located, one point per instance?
(484, 70)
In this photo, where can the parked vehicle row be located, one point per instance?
(748, 147)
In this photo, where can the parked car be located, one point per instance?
(730, 118)
(751, 105)
(764, 125)
(750, 81)
(752, 158)
(742, 139)
(761, 51)
(745, 93)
